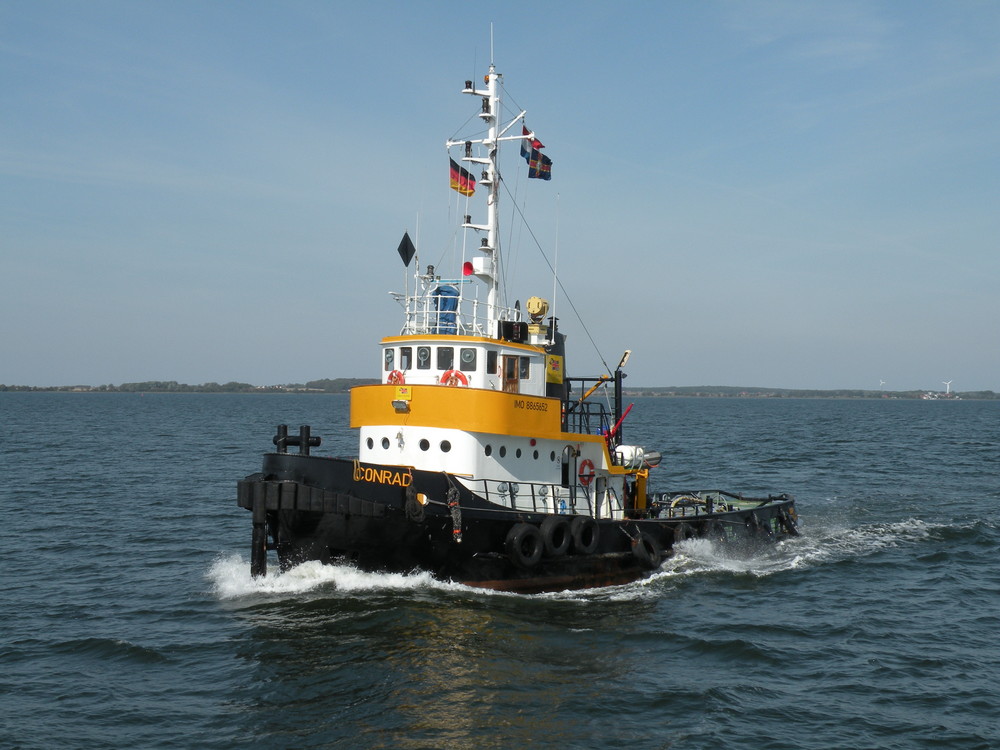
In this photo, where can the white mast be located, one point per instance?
(487, 267)
(492, 245)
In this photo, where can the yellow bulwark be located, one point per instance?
(467, 409)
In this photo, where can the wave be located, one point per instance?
(231, 579)
(813, 547)
(106, 649)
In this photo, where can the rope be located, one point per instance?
(569, 299)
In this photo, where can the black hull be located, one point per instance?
(335, 510)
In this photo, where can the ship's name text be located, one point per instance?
(381, 476)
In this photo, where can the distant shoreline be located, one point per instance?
(344, 385)
(723, 391)
(335, 385)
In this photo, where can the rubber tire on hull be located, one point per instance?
(524, 545)
(586, 535)
(647, 551)
(683, 532)
(556, 536)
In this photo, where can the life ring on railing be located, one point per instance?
(395, 378)
(586, 472)
(454, 377)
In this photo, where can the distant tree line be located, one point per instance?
(326, 385)
(725, 391)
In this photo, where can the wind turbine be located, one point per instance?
(947, 386)
(881, 383)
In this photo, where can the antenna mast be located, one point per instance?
(486, 268)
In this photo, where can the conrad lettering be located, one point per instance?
(375, 475)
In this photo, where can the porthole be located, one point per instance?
(517, 453)
(552, 456)
(424, 445)
(370, 443)
(445, 446)
(503, 451)
(488, 450)
(385, 443)
(535, 455)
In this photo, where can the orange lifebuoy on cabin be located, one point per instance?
(586, 472)
(454, 377)
(396, 378)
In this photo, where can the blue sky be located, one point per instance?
(786, 194)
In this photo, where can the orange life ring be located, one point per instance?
(395, 378)
(586, 472)
(454, 377)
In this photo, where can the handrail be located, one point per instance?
(540, 503)
(421, 316)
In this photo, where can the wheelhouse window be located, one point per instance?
(445, 357)
(510, 374)
(491, 362)
(405, 357)
(423, 358)
(390, 359)
(467, 360)
(525, 367)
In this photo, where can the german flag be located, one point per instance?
(461, 180)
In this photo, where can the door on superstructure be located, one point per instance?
(511, 374)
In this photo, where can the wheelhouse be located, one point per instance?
(464, 361)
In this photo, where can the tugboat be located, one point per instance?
(480, 460)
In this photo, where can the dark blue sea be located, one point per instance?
(130, 619)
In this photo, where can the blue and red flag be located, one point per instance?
(539, 165)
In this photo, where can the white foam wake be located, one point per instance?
(815, 546)
(231, 579)
(230, 575)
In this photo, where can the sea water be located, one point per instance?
(130, 618)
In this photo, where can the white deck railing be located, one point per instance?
(471, 317)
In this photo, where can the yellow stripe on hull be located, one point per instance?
(466, 409)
